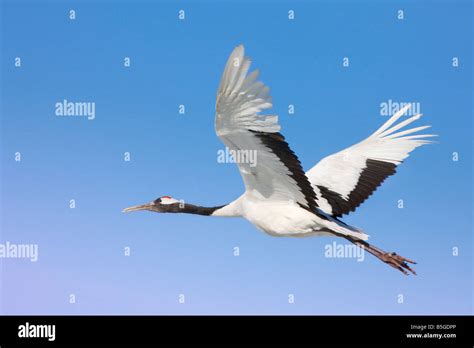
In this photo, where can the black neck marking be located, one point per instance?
(189, 209)
(196, 209)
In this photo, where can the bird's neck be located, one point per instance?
(231, 209)
(228, 210)
(199, 210)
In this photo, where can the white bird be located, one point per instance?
(280, 198)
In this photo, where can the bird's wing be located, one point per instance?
(275, 173)
(344, 180)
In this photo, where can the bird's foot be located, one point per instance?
(398, 262)
(392, 259)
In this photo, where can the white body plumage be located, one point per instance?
(284, 218)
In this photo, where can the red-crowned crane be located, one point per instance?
(280, 198)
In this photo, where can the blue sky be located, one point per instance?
(173, 62)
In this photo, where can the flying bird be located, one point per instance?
(280, 198)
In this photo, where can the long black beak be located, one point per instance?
(137, 207)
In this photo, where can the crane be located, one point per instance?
(280, 198)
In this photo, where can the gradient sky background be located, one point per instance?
(180, 62)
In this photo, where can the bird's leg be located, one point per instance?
(394, 260)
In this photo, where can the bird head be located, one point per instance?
(164, 204)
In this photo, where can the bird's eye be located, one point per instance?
(157, 201)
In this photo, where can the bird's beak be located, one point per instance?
(137, 207)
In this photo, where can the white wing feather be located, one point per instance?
(342, 172)
(239, 124)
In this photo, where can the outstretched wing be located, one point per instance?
(269, 168)
(344, 180)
